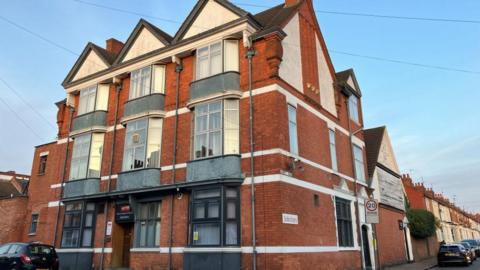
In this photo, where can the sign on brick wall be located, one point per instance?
(289, 219)
(371, 211)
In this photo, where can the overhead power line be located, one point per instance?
(21, 119)
(380, 16)
(26, 102)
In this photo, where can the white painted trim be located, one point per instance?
(170, 167)
(180, 111)
(297, 182)
(73, 250)
(213, 249)
(54, 204)
(249, 249)
(158, 250)
(44, 153)
(106, 177)
(223, 95)
(57, 185)
(64, 140)
(99, 250)
(119, 126)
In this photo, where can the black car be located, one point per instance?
(470, 249)
(28, 256)
(475, 245)
(453, 253)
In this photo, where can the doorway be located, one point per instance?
(122, 238)
(366, 248)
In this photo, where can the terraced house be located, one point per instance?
(233, 144)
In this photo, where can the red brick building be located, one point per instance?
(13, 204)
(155, 166)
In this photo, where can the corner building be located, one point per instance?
(154, 163)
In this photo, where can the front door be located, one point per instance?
(121, 244)
(127, 244)
(366, 248)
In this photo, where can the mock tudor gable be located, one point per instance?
(207, 15)
(145, 38)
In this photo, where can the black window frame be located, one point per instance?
(222, 200)
(154, 219)
(34, 223)
(81, 227)
(42, 164)
(343, 210)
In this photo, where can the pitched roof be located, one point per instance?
(8, 190)
(342, 78)
(197, 10)
(373, 141)
(165, 38)
(274, 18)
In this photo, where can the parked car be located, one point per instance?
(470, 249)
(31, 256)
(475, 244)
(453, 253)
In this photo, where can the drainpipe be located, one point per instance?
(72, 110)
(118, 88)
(357, 212)
(250, 54)
(178, 69)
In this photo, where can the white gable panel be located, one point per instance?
(351, 83)
(386, 156)
(92, 64)
(291, 66)
(327, 94)
(144, 43)
(212, 15)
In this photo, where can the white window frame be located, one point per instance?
(156, 81)
(87, 99)
(359, 163)
(353, 108)
(208, 58)
(292, 129)
(146, 145)
(333, 149)
(86, 156)
(226, 128)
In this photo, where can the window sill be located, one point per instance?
(40, 174)
(32, 234)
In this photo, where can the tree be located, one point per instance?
(422, 223)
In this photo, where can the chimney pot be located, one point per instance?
(114, 46)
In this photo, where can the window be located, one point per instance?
(217, 128)
(213, 59)
(78, 225)
(333, 149)
(147, 225)
(353, 108)
(209, 225)
(87, 156)
(34, 224)
(143, 141)
(292, 129)
(344, 223)
(42, 164)
(146, 81)
(4, 249)
(359, 166)
(93, 98)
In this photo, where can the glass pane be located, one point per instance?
(232, 142)
(87, 238)
(76, 219)
(96, 155)
(202, 67)
(201, 123)
(102, 97)
(201, 109)
(158, 79)
(231, 233)
(154, 143)
(151, 233)
(209, 193)
(215, 144)
(81, 147)
(157, 234)
(143, 233)
(143, 211)
(215, 121)
(206, 234)
(90, 206)
(70, 238)
(231, 192)
(216, 63)
(128, 159)
(231, 210)
(215, 106)
(231, 55)
(139, 157)
(88, 220)
(213, 210)
(77, 206)
(201, 146)
(199, 210)
(152, 210)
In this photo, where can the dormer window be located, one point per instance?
(93, 98)
(216, 58)
(147, 80)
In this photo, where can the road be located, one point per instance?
(474, 266)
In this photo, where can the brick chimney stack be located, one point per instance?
(291, 2)
(114, 46)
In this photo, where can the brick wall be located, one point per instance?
(391, 240)
(13, 219)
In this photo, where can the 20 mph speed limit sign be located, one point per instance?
(371, 211)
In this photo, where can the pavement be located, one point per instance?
(432, 264)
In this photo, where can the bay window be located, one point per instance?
(93, 98)
(147, 80)
(216, 129)
(87, 156)
(216, 58)
(147, 225)
(214, 217)
(78, 225)
(359, 165)
(143, 141)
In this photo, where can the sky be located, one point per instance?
(431, 114)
